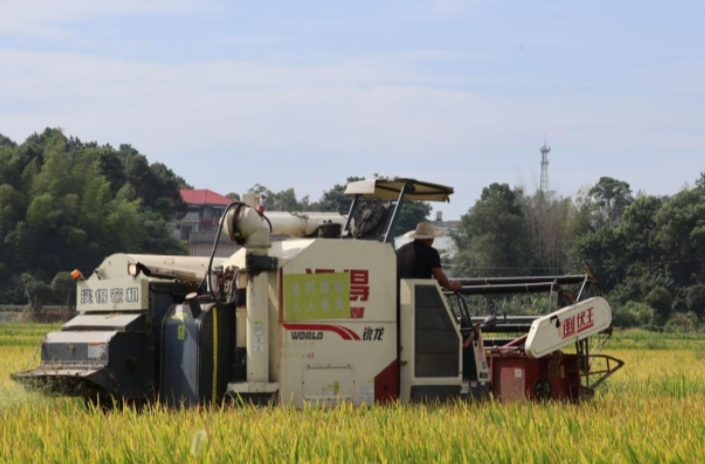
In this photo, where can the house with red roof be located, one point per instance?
(204, 197)
(200, 224)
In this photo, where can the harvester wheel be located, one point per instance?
(586, 393)
(543, 389)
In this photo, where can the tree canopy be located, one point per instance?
(492, 236)
(66, 204)
(646, 251)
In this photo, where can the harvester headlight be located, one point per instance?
(133, 269)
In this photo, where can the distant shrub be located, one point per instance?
(695, 299)
(661, 300)
(632, 314)
(682, 323)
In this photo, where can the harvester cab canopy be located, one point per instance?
(391, 189)
(377, 202)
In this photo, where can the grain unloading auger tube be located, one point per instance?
(318, 318)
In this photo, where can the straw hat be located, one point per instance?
(424, 230)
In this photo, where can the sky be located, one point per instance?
(304, 94)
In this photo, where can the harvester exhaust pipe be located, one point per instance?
(192, 300)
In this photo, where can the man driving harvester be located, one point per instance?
(419, 260)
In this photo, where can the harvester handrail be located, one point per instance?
(560, 279)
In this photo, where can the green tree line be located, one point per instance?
(647, 252)
(66, 204)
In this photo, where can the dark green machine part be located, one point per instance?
(106, 354)
(197, 353)
(97, 354)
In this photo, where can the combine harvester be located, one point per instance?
(316, 318)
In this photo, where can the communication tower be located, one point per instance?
(545, 150)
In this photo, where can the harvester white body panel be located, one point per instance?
(126, 294)
(332, 321)
(567, 326)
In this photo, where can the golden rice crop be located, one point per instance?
(651, 411)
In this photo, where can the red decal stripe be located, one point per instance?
(350, 331)
(387, 384)
(585, 327)
(344, 332)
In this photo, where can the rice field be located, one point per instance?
(653, 410)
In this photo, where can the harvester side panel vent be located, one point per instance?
(436, 341)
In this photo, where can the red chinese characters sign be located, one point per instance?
(577, 323)
(359, 288)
